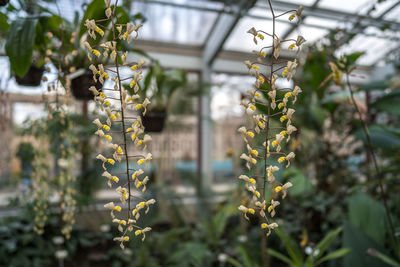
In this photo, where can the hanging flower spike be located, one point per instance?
(246, 210)
(260, 121)
(283, 188)
(142, 232)
(111, 206)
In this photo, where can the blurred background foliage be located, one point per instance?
(334, 214)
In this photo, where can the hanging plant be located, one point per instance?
(266, 103)
(116, 102)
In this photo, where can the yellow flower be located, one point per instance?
(107, 103)
(291, 17)
(281, 159)
(111, 161)
(96, 52)
(288, 94)
(260, 36)
(255, 67)
(291, 47)
(134, 67)
(106, 127)
(132, 84)
(108, 137)
(283, 118)
(99, 31)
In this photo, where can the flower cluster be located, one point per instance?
(265, 103)
(116, 102)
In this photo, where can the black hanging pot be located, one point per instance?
(32, 78)
(3, 2)
(154, 121)
(81, 81)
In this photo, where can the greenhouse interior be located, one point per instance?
(200, 133)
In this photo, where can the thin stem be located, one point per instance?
(372, 153)
(293, 10)
(269, 102)
(122, 115)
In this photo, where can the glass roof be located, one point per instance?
(189, 22)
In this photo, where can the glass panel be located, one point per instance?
(175, 24)
(394, 14)
(328, 23)
(311, 34)
(344, 5)
(240, 40)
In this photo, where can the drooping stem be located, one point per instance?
(122, 114)
(269, 102)
(372, 154)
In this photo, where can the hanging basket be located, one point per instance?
(3, 2)
(80, 83)
(32, 78)
(154, 121)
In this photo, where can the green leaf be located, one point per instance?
(368, 215)
(334, 255)
(375, 85)
(384, 258)
(323, 245)
(280, 256)
(95, 10)
(3, 23)
(290, 245)
(301, 184)
(388, 103)
(380, 138)
(359, 243)
(19, 44)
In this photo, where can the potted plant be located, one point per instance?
(159, 86)
(26, 40)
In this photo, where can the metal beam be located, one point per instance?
(332, 14)
(218, 35)
(361, 24)
(222, 28)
